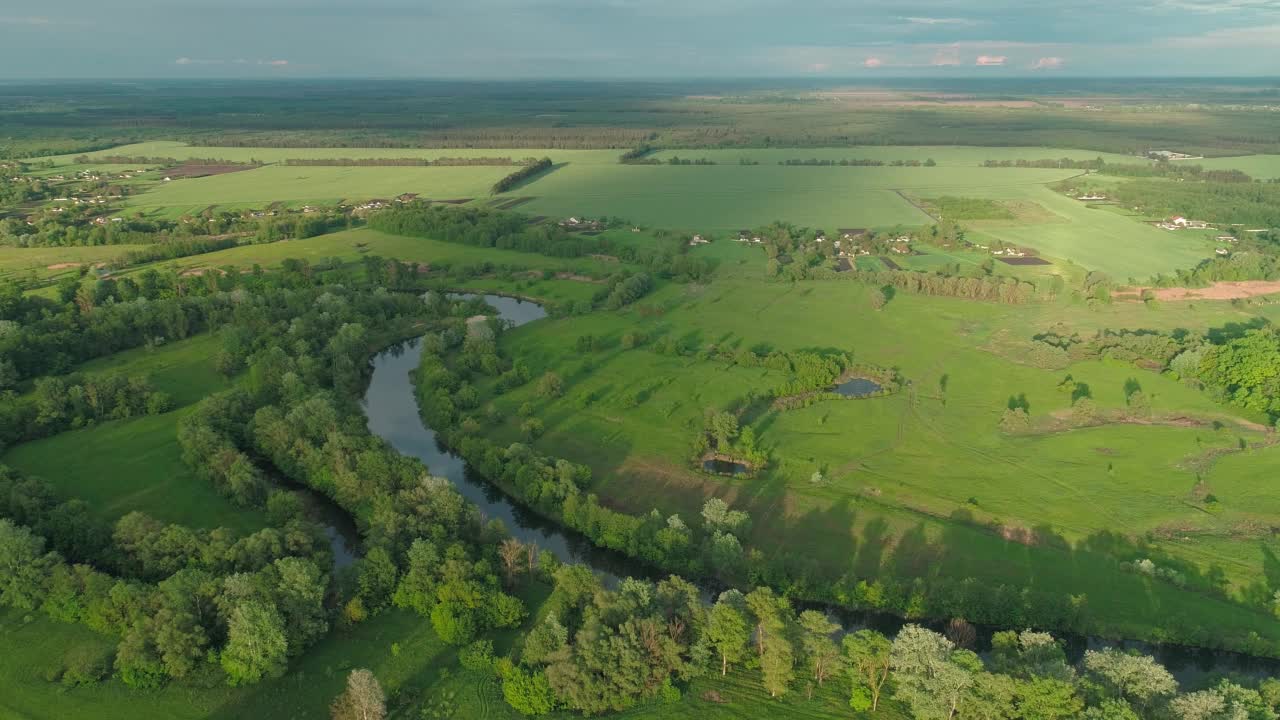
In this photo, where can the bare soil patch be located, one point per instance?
(1024, 261)
(1226, 290)
(63, 266)
(890, 264)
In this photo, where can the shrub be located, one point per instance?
(477, 656)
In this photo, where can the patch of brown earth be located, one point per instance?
(1226, 290)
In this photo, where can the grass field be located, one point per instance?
(136, 464)
(896, 468)
(1259, 167)
(34, 263)
(725, 198)
(329, 185)
(943, 155)
(183, 151)
(350, 245)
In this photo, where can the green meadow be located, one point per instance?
(943, 155)
(725, 198)
(262, 186)
(907, 485)
(183, 151)
(136, 464)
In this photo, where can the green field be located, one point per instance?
(896, 468)
(322, 185)
(943, 155)
(724, 198)
(136, 464)
(20, 263)
(183, 151)
(1259, 167)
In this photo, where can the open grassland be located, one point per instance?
(126, 465)
(1259, 167)
(943, 155)
(328, 185)
(908, 483)
(351, 245)
(136, 464)
(725, 198)
(42, 263)
(1094, 238)
(183, 151)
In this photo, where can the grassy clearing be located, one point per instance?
(34, 263)
(127, 465)
(184, 368)
(726, 198)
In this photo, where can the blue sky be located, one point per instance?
(636, 38)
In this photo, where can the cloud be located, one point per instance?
(32, 20)
(819, 67)
(873, 62)
(946, 56)
(276, 63)
(990, 60)
(1264, 36)
(237, 61)
(196, 61)
(1049, 63)
(939, 21)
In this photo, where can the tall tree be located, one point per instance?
(932, 675)
(362, 700)
(727, 631)
(868, 656)
(819, 648)
(256, 644)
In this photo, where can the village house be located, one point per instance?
(1227, 238)
(698, 240)
(1222, 251)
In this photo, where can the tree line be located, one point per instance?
(519, 176)
(857, 162)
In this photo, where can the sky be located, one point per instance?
(512, 39)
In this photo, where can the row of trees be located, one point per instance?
(529, 170)
(859, 162)
(599, 651)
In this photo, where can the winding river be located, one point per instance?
(392, 411)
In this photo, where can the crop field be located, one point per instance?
(1259, 167)
(725, 198)
(943, 155)
(183, 151)
(277, 183)
(42, 263)
(895, 468)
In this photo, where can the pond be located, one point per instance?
(392, 410)
(857, 387)
(724, 467)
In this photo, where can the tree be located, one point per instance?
(1136, 678)
(723, 426)
(819, 648)
(727, 631)
(24, 566)
(362, 700)
(1225, 701)
(932, 675)
(868, 655)
(550, 386)
(877, 298)
(777, 657)
(256, 644)
(528, 692)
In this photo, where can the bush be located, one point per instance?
(477, 656)
(529, 694)
(86, 665)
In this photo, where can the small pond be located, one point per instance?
(857, 387)
(724, 467)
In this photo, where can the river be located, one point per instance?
(391, 407)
